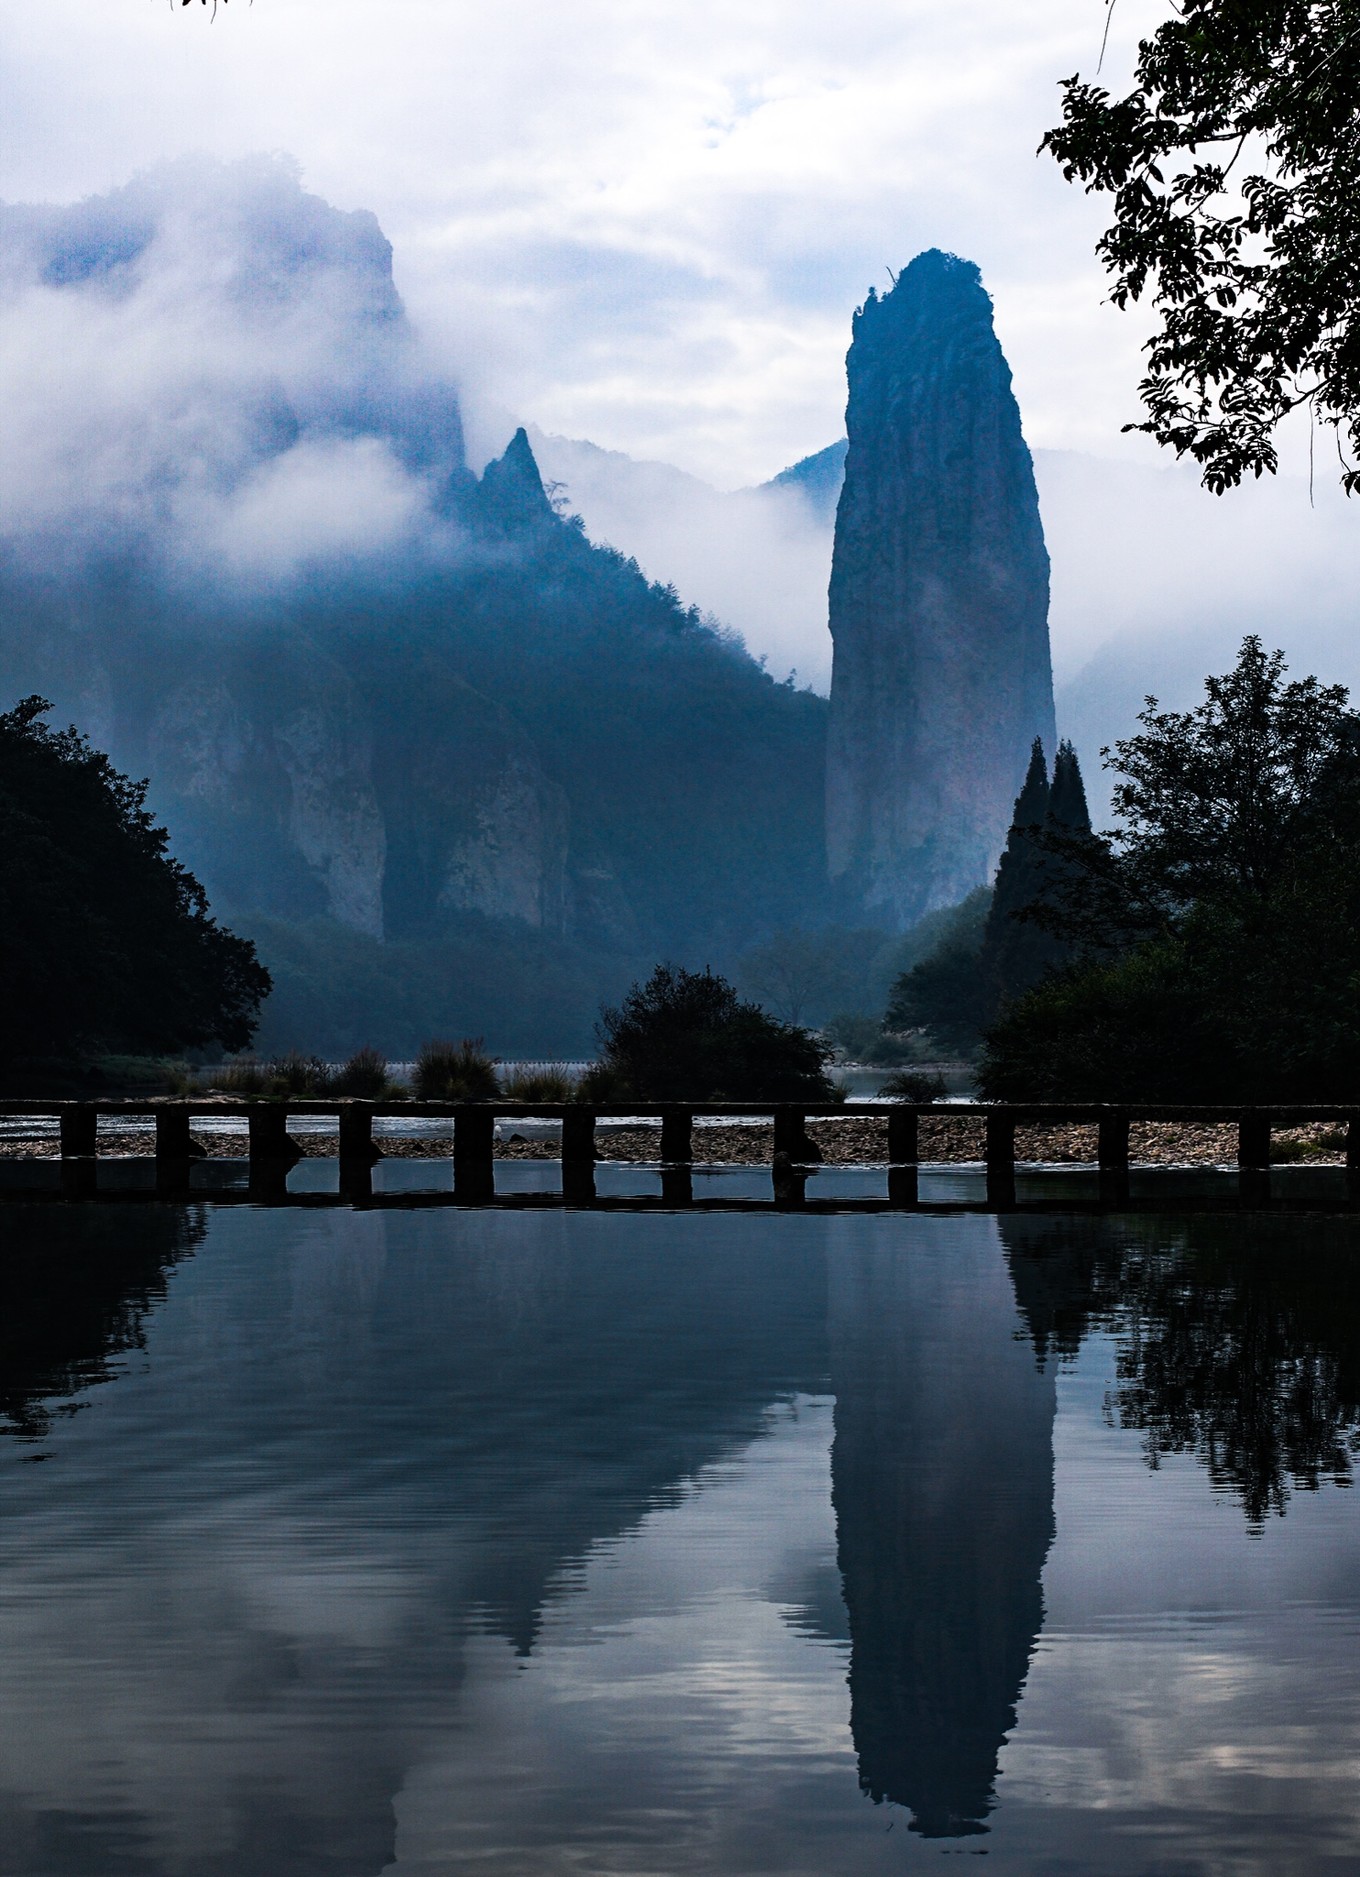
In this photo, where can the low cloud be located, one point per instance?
(214, 366)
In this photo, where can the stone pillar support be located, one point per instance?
(677, 1136)
(578, 1137)
(79, 1131)
(1253, 1139)
(270, 1141)
(904, 1130)
(356, 1134)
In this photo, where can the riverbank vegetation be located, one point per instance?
(107, 945)
(1215, 934)
(688, 1036)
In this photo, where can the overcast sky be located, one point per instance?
(645, 224)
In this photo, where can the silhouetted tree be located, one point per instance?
(958, 989)
(1219, 929)
(1235, 172)
(686, 1035)
(105, 941)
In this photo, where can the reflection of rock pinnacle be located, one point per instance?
(942, 1478)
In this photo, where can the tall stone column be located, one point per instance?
(939, 600)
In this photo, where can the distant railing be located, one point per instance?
(792, 1156)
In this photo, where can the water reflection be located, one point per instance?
(76, 1289)
(517, 1542)
(1238, 1342)
(942, 1479)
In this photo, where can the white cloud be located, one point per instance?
(317, 502)
(646, 225)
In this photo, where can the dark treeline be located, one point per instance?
(989, 953)
(106, 942)
(1215, 935)
(1207, 948)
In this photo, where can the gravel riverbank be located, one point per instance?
(848, 1140)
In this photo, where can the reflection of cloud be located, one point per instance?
(668, 1708)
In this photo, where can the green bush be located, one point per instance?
(455, 1072)
(293, 1073)
(860, 1038)
(603, 1085)
(245, 1075)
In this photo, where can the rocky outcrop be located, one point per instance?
(274, 782)
(474, 824)
(938, 602)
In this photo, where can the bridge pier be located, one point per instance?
(79, 1123)
(270, 1141)
(356, 1135)
(904, 1137)
(1001, 1158)
(474, 1152)
(1253, 1140)
(677, 1136)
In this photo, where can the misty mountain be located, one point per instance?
(1154, 582)
(454, 766)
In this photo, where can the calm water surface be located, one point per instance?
(469, 1542)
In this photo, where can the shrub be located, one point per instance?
(541, 1085)
(295, 1073)
(687, 1036)
(455, 1072)
(913, 1085)
(603, 1085)
(364, 1076)
(861, 1038)
(244, 1076)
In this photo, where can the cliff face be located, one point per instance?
(938, 602)
(376, 698)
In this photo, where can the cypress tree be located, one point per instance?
(1067, 808)
(1015, 954)
(961, 987)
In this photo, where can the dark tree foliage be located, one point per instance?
(105, 941)
(1016, 952)
(958, 989)
(687, 1036)
(1219, 930)
(942, 993)
(1235, 169)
